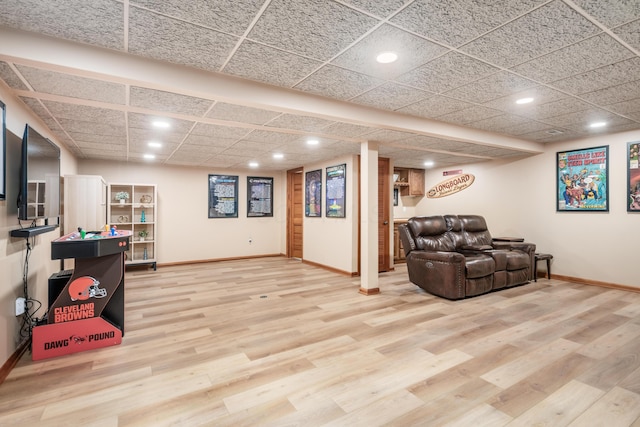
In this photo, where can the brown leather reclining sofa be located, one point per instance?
(454, 256)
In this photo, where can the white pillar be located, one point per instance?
(369, 218)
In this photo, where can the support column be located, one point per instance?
(369, 218)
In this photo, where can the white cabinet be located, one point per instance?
(138, 214)
(85, 203)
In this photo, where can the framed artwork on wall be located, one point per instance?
(313, 193)
(633, 176)
(336, 189)
(223, 196)
(582, 180)
(259, 197)
(3, 151)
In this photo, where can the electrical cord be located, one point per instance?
(31, 306)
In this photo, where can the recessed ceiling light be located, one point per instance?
(154, 144)
(386, 57)
(313, 142)
(429, 163)
(597, 125)
(524, 100)
(149, 156)
(253, 164)
(278, 156)
(161, 124)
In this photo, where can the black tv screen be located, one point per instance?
(39, 196)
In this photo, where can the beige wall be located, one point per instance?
(517, 198)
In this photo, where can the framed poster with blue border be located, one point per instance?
(633, 176)
(223, 196)
(336, 180)
(259, 197)
(582, 178)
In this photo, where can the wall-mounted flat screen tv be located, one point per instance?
(39, 197)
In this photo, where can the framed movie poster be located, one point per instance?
(3, 150)
(259, 196)
(633, 177)
(583, 180)
(313, 193)
(223, 196)
(336, 189)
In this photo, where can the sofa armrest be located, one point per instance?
(439, 273)
(477, 248)
(526, 247)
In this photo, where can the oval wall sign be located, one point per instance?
(451, 186)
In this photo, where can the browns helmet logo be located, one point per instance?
(86, 287)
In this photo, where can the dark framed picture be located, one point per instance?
(583, 180)
(336, 180)
(313, 193)
(259, 196)
(3, 151)
(633, 177)
(223, 196)
(395, 196)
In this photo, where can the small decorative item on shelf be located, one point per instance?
(143, 218)
(123, 219)
(122, 196)
(145, 255)
(143, 234)
(146, 199)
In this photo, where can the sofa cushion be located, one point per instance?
(474, 230)
(429, 233)
(479, 266)
(517, 260)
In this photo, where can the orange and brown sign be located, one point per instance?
(451, 186)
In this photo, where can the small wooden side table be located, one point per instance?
(542, 257)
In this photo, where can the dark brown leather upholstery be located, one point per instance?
(454, 256)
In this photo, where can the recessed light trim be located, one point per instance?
(429, 163)
(161, 124)
(386, 57)
(313, 141)
(154, 144)
(149, 156)
(278, 156)
(253, 164)
(524, 101)
(595, 125)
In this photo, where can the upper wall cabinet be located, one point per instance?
(409, 181)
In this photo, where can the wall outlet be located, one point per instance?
(20, 306)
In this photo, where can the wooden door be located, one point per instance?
(384, 200)
(295, 209)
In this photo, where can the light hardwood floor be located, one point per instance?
(275, 342)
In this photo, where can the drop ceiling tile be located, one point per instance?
(630, 33)
(387, 136)
(159, 37)
(499, 123)
(435, 106)
(104, 155)
(145, 121)
(302, 123)
(10, 77)
(542, 31)
(336, 82)
(35, 106)
(143, 136)
(471, 114)
(390, 96)
(219, 131)
(578, 58)
(580, 120)
(447, 72)
(229, 16)
(620, 93)
(346, 130)
(317, 29)
(611, 13)
(526, 127)
(540, 95)
(257, 147)
(269, 65)
(626, 107)
(270, 136)
(412, 52)
(99, 128)
(167, 101)
(562, 106)
(380, 8)
(85, 113)
(601, 78)
(208, 141)
(457, 22)
(73, 86)
(119, 147)
(241, 114)
(97, 140)
(244, 152)
(99, 24)
(494, 86)
(545, 136)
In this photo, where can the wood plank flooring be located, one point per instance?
(275, 342)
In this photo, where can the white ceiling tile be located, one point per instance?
(302, 123)
(435, 106)
(85, 113)
(241, 114)
(92, 127)
(168, 101)
(336, 82)
(468, 115)
(611, 13)
(145, 121)
(206, 142)
(10, 77)
(380, 8)
(495, 86)
(390, 96)
(219, 131)
(601, 78)
(623, 92)
(630, 33)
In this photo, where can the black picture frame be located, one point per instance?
(259, 197)
(313, 194)
(336, 186)
(633, 176)
(3, 151)
(582, 180)
(396, 196)
(223, 196)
